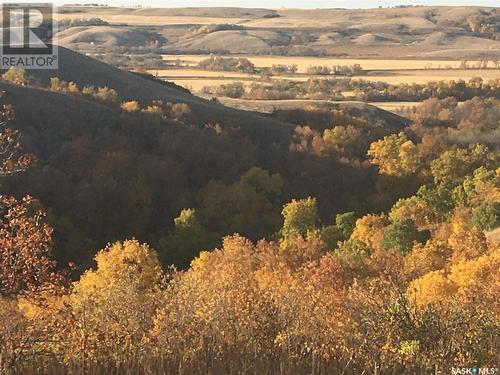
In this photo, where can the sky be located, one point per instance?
(282, 3)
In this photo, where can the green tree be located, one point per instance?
(439, 198)
(299, 217)
(331, 235)
(247, 206)
(231, 90)
(346, 223)
(414, 208)
(185, 241)
(401, 235)
(353, 250)
(453, 165)
(486, 216)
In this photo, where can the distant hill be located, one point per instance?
(229, 12)
(403, 32)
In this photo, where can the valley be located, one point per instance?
(222, 190)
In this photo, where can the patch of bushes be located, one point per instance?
(147, 60)
(102, 94)
(230, 64)
(231, 90)
(284, 69)
(207, 29)
(94, 21)
(16, 76)
(337, 70)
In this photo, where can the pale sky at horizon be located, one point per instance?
(282, 3)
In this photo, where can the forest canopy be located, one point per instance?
(136, 235)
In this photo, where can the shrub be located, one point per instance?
(106, 94)
(318, 70)
(131, 106)
(284, 69)
(58, 85)
(180, 111)
(231, 90)
(16, 76)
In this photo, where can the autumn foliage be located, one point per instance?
(404, 282)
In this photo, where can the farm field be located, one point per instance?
(390, 71)
(198, 78)
(195, 85)
(303, 62)
(195, 73)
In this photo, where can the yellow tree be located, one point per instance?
(479, 279)
(424, 258)
(416, 209)
(467, 281)
(114, 304)
(466, 241)
(26, 261)
(395, 155)
(215, 309)
(433, 287)
(370, 230)
(14, 335)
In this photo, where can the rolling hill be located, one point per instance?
(401, 32)
(84, 70)
(105, 174)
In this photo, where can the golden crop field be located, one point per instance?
(303, 62)
(195, 85)
(196, 79)
(150, 20)
(176, 75)
(181, 73)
